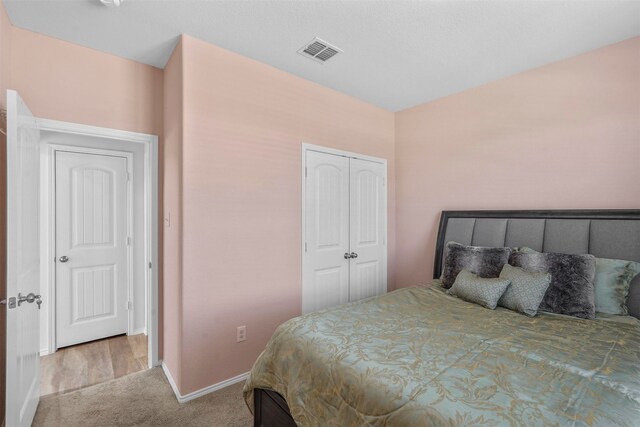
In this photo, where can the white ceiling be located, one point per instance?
(397, 54)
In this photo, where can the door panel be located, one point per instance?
(92, 203)
(92, 293)
(368, 217)
(327, 231)
(23, 263)
(91, 231)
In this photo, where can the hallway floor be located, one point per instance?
(95, 362)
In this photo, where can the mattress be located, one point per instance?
(418, 356)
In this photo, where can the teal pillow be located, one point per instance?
(526, 291)
(473, 288)
(612, 282)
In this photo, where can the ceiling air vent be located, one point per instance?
(319, 50)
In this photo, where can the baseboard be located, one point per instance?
(44, 351)
(203, 391)
(138, 331)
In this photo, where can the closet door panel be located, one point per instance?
(368, 217)
(326, 231)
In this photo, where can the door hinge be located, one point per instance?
(305, 172)
(150, 265)
(305, 246)
(128, 176)
(128, 241)
(129, 305)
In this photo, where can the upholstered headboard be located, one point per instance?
(603, 233)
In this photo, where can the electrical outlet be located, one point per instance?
(241, 333)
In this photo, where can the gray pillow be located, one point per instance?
(571, 291)
(485, 262)
(612, 282)
(486, 292)
(526, 291)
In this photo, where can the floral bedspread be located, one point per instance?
(419, 357)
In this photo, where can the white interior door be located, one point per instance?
(368, 219)
(92, 271)
(326, 270)
(23, 263)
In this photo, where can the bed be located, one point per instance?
(418, 356)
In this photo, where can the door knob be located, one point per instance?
(64, 258)
(347, 255)
(354, 255)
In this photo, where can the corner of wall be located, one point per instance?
(173, 118)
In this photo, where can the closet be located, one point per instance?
(344, 228)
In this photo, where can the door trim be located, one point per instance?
(150, 145)
(50, 238)
(326, 150)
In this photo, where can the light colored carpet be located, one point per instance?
(142, 399)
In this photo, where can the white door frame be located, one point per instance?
(150, 144)
(311, 147)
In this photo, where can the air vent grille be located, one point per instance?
(315, 48)
(319, 50)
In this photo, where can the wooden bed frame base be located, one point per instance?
(270, 410)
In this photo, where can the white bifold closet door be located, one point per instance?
(345, 230)
(367, 228)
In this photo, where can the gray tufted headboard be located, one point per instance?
(603, 233)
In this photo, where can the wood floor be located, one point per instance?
(82, 365)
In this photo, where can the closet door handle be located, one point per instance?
(347, 255)
(353, 255)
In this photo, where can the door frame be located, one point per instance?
(150, 185)
(49, 191)
(326, 150)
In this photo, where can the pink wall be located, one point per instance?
(5, 54)
(244, 123)
(173, 135)
(566, 135)
(63, 81)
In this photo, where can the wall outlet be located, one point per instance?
(241, 333)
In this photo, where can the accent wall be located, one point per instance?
(562, 136)
(241, 184)
(63, 81)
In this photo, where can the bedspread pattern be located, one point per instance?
(418, 356)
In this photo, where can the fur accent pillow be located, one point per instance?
(485, 262)
(486, 292)
(571, 291)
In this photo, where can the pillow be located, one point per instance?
(571, 290)
(485, 262)
(486, 292)
(612, 282)
(526, 291)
